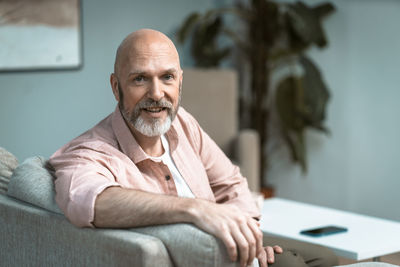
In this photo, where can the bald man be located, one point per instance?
(150, 163)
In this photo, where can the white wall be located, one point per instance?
(358, 166)
(40, 111)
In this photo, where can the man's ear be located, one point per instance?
(114, 86)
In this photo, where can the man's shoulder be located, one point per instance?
(96, 138)
(184, 117)
(185, 121)
(187, 126)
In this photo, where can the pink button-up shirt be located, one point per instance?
(108, 155)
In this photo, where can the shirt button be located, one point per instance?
(167, 177)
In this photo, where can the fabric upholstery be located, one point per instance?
(247, 151)
(33, 183)
(8, 162)
(4, 180)
(189, 246)
(210, 95)
(35, 237)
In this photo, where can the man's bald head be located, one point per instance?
(140, 42)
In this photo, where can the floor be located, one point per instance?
(391, 258)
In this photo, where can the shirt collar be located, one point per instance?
(128, 143)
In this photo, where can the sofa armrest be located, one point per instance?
(247, 153)
(189, 246)
(35, 237)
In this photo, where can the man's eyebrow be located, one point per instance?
(171, 70)
(138, 72)
(142, 72)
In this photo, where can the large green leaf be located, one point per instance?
(287, 99)
(205, 49)
(316, 95)
(187, 26)
(288, 96)
(300, 103)
(305, 23)
(324, 9)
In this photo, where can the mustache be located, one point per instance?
(150, 103)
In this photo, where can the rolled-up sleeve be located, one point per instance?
(82, 174)
(226, 181)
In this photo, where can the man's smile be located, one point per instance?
(155, 112)
(154, 109)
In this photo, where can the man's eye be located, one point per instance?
(139, 79)
(168, 77)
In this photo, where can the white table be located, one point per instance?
(367, 237)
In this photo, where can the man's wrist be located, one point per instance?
(193, 210)
(187, 210)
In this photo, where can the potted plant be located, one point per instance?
(265, 36)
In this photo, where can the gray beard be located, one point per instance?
(155, 127)
(152, 127)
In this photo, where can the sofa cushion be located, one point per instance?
(8, 162)
(7, 159)
(33, 183)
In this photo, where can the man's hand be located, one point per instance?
(267, 255)
(239, 233)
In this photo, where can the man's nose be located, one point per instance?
(156, 91)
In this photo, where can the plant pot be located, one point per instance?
(268, 191)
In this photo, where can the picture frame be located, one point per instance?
(40, 35)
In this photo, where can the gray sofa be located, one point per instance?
(34, 232)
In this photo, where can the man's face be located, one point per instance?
(155, 126)
(149, 88)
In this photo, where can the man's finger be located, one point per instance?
(270, 254)
(251, 241)
(241, 244)
(278, 249)
(257, 234)
(230, 245)
(262, 259)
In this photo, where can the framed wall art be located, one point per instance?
(40, 34)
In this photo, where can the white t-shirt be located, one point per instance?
(181, 186)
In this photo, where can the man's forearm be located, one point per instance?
(116, 207)
(122, 208)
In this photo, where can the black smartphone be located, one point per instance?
(325, 230)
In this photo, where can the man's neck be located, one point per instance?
(151, 145)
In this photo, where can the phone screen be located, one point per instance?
(326, 230)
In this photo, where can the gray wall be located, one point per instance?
(356, 168)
